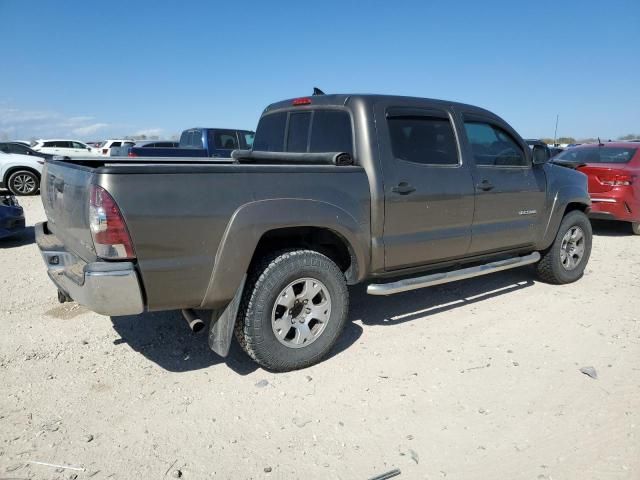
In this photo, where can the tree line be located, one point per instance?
(563, 140)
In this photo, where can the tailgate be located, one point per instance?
(65, 196)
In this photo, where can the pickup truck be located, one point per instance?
(398, 192)
(201, 142)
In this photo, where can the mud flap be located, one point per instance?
(221, 328)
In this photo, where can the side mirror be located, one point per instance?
(540, 154)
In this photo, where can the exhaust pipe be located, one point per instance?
(195, 324)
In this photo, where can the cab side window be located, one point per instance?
(494, 147)
(426, 140)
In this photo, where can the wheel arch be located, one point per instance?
(261, 227)
(565, 200)
(14, 168)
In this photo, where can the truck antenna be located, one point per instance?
(317, 91)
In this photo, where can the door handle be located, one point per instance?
(485, 186)
(403, 188)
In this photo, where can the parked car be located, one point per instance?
(201, 142)
(20, 173)
(398, 192)
(157, 144)
(553, 151)
(65, 148)
(22, 149)
(613, 169)
(115, 148)
(11, 216)
(152, 144)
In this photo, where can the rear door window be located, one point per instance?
(422, 139)
(224, 139)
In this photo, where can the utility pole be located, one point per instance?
(555, 133)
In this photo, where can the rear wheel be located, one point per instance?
(23, 182)
(293, 309)
(635, 228)
(566, 259)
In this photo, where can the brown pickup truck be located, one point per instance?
(398, 192)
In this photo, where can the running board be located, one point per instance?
(452, 276)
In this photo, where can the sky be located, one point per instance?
(95, 70)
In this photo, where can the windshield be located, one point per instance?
(598, 155)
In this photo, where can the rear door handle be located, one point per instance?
(485, 186)
(403, 188)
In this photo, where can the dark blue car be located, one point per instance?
(11, 216)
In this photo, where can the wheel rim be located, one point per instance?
(301, 312)
(24, 183)
(572, 248)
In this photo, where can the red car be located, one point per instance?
(613, 169)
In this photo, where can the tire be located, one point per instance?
(635, 228)
(560, 267)
(23, 182)
(268, 306)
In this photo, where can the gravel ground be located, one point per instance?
(473, 380)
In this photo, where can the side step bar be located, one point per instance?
(452, 276)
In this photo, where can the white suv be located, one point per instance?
(20, 173)
(65, 148)
(115, 148)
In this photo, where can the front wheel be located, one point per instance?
(635, 228)
(566, 259)
(23, 182)
(294, 307)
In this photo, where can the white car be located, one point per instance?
(65, 148)
(115, 148)
(20, 173)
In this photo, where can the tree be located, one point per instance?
(630, 136)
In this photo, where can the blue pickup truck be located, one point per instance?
(202, 142)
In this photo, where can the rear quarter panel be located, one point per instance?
(177, 219)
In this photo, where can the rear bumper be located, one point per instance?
(107, 288)
(614, 207)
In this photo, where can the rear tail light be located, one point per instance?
(105, 151)
(132, 154)
(108, 229)
(615, 180)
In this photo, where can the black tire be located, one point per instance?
(265, 284)
(550, 267)
(635, 228)
(23, 182)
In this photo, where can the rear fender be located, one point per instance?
(251, 221)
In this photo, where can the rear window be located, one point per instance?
(598, 155)
(331, 132)
(298, 135)
(309, 131)
(270, 133)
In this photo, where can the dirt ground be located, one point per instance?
(473, 380)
